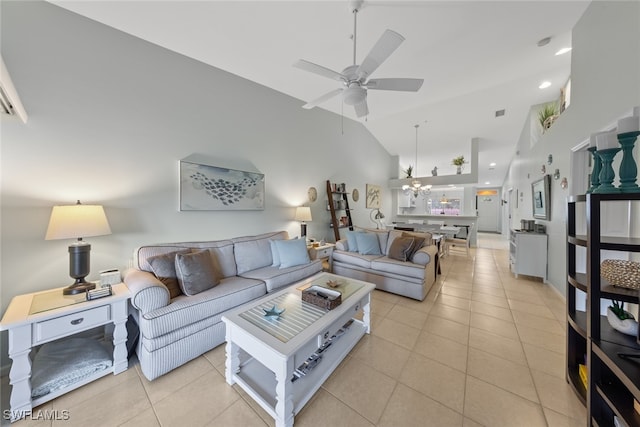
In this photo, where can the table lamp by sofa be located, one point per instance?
(78, 221)
(303, 213)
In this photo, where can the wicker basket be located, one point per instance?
(321, 297)
(618, 272)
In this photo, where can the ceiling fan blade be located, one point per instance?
(407, 85)
(319, 69)
(385, 46)
(322, 99)
(361, 108)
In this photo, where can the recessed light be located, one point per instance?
(492, 164)
(563, 51)
(544, 85)
(487, 182)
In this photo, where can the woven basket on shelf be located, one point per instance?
(618, 272)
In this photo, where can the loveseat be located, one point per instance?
(406, 267)
(179, 291)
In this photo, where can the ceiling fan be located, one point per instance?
(355, 78)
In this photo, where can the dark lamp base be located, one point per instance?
(78, 288)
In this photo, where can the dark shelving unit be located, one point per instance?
(613, 381)
(338, 201)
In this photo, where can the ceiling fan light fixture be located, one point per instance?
(354, 94)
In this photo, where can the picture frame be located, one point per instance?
(540, 197)
(373, 196)
(214, 188)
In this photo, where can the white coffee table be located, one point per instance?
(264, 354)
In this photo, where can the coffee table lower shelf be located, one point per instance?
(260, 383)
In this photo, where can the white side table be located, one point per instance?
(37, 318)
(325, 253)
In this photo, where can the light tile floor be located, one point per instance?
(483, 349)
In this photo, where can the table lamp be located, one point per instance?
(78, 221)
(303, 213)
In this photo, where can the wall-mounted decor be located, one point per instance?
(540, 192)
(312, 194)
(355, 195)
(213, 188)
(373, 196)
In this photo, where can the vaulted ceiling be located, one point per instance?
(476, 57)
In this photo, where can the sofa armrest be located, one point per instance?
(425, 254)
(147, 292)
(342, 245)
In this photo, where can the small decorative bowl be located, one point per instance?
(618, 272)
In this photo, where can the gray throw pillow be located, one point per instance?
(401, 248)
(164, 267)
(417, 244)
(196, 272)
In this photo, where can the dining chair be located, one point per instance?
(460, 243)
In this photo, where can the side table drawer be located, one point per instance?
(71, 323)
(323, 253)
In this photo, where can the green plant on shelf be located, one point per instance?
(408, 171)
(619, 311)
(458, 161)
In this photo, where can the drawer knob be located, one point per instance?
(77, 321)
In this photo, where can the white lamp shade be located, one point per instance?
(303, 213)
(77, 221)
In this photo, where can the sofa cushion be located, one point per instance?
(274, 254)
(277, 277)
(419, 241)
(255, 251)
(401, 248)
(292, 252)
(394, 266)
(164, 268)
(368, 244)
(352, 243)
(383, 237)
(221, 250)
(186, 310)
(354, 258)
(195, 272)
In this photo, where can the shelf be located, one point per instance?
(574, 378)
(626, 244)
(608, 291)
(626, 370)
(578, 281)
(619, 402)
(578, 198)
(578, 240)
(579, 323)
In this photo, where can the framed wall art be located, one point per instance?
(214, 188)
(373, 196)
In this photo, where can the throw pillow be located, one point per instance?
(368, 244)
(196, 272)
(418, 243)
(292, 252)
(401, 247)
(351, 240)
(274, 254)
(164, 267)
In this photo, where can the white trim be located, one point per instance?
(9, 94)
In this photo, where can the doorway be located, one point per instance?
(488, 208)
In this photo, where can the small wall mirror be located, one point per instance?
(541, 192)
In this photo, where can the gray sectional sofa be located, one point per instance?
(176, 330)
(412, 278)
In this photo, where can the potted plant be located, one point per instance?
(547, 115)
(408, 171)
(621, 320)
(459, 163)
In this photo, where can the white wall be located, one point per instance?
(110, 116)
(605, 71)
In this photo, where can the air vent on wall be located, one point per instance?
(499, 113)
(9, 101)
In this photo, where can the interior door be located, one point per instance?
(488, 213)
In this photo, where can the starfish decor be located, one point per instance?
(273, 313)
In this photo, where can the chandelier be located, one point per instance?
(416, 188)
